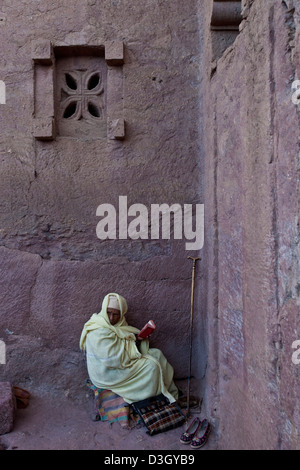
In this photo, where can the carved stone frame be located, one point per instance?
(43, 57)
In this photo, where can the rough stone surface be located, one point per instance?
(54, 270)
(252, 208)
(7, 408)
(224, 133)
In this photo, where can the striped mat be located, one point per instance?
(112, 407)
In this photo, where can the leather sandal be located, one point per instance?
(191, 431)
(199, 441)
(22, 397)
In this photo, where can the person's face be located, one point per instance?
(113, 315)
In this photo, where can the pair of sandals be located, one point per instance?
(196, 434)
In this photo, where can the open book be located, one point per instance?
(147, 329)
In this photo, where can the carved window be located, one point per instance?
(78, 90)
(80, 96)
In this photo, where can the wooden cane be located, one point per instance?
(191, 332)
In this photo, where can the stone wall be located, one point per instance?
(252, 210)
(209, 118)
(54, 269)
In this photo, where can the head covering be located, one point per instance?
(113, 302)
(101, 320)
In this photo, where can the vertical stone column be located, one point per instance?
(114, 56)
(43, 58)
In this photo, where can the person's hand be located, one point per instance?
(141, 339)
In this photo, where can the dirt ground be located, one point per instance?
(51, 424)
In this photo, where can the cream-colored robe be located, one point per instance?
(115, 363)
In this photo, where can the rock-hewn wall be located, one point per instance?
(54, 270)
(252, 208)
(239, 114)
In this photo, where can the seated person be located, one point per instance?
(115, 362)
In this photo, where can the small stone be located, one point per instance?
(7, 408)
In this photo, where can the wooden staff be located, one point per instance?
(191, 332)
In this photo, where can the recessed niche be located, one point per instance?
(80, 92)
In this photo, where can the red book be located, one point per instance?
(147, 329)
